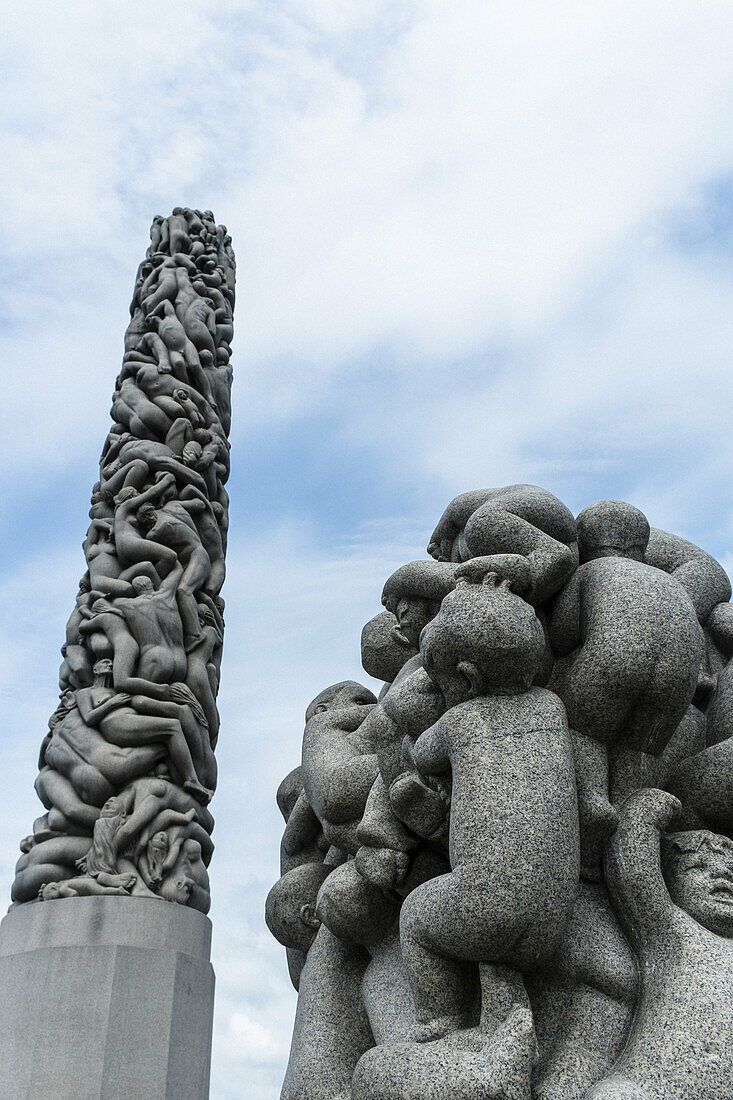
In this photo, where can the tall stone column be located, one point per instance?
(106, 989)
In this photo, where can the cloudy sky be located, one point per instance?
(478, 243)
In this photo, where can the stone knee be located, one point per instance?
(443, 986)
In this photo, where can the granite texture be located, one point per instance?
(127, 767)
(105, 998)
(509, 875)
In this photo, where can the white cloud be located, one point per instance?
(453, 229)
(250, 1043)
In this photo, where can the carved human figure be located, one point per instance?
(339, 765)
(410, 706)
(106, 573)
(187, 881)
(171, 525)
(87, 886)
(678, 907)
(137, 462)
(628, 648)
(125, 817)
(413, 594)
(146, 636)
(513, 839)
(50, 860)
(702, 778)
(133, 720)
(516, 519)
(701, 576)
(93, 766)
(202, 676)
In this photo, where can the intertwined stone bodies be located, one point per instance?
(522, 907)
(127, 767)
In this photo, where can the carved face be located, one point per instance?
(701, 883)
(345, 694)
(413, 614)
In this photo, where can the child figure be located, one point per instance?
(628, 650)
(513, 839)
(679, 911)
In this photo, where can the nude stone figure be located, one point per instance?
(517, 519)
(130, 721)
(513, 805)
(678, 907)
(339, 765)
(628, 649)
(145, 633)
(94, 767)
(171, 524)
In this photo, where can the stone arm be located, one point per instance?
(453, 520)
(563, 619)
(633, 868)
(495, 528)
(302, 828)
(429, 754)
(93, 715)
(703, 578)
(192, 504)
(426, 580)
(153, 492)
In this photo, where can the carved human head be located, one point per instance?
(612, 528)
(192, 453)
(384, 648)
(142, 586)
(698, 869)
(127, 492)
(347, 693)
(146, 516)
(413, 594)
(102, 668)
(112, 808)
(485, 640)
(290, 908)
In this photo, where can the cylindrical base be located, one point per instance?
(105, 998)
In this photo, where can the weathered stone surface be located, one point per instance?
(496, 919)
(127, 766)
(105, 998)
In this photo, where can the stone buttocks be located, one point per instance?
(127, 767)
(510, 875)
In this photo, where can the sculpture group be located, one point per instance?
(127, 767)
(510, 875)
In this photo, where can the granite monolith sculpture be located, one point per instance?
(112, 886)
(509, 873)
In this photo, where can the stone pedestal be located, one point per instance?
(105, 998)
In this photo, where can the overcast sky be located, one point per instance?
(478, 243)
